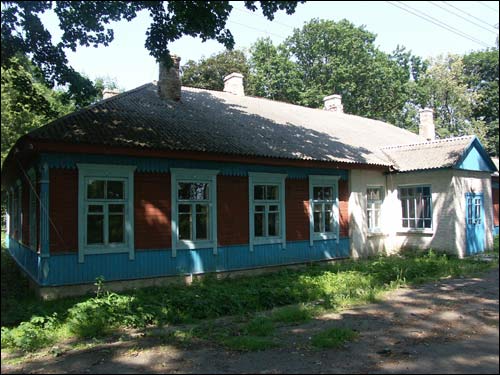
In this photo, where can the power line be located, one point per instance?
(437, 23)
(462, 17)
(470, 15)
(487, 6)
(256, 29)
(255, 14)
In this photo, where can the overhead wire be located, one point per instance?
(470, 15)
(436, 22)
(487, 6)
(462, 17)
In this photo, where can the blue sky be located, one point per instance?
(128, 62)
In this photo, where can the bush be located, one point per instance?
(32, 335)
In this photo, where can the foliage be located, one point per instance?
(273, 74)
(85, 23)
(292, 314)
(27, 102)
(209, 73)
(332, 287)
(333, 338)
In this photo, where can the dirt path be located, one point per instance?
(447, 327)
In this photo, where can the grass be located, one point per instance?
(333, 338)
(29, 324)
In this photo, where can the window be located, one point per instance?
(374, 198)
(16, 208)
(267, 208)
(106, 210)
(324, 213)
(32, 209)
(416, 205)
(194, 209)
(473, 210)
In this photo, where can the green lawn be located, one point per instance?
(29, 324)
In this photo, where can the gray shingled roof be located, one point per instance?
(441, 153)
(213, 121)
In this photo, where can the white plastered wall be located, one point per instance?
(478, 182)
(448, 188)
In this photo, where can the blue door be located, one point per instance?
(474, 218)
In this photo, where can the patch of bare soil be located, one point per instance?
(445, 327)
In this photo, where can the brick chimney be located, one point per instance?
(169, 82)
(109, 93)
(426, 128)
(333, 103)
(233, 83)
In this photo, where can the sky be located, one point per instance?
(465, 26)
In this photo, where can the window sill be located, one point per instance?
(415, 231)
(324, 236)
(106, 250)
(376, 234)
(267, 240)
(194, 245)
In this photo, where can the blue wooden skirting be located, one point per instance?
(65, 270)
(27, 259)
(495, 231)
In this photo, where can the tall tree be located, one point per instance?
(338, 57)
(209, 73)
(273, 74)
(481, 75)
(27, 102)
(85, 23)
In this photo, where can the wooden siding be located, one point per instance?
(495, 206)
(297, 209)
(25, 210)
(63, 203)
(152, 209)
(232, 210)
(343, 208)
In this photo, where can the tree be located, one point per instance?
(273, 74)
(209, 73)
(340, 58)
(27, 102)
(481, 75)
(85, 23)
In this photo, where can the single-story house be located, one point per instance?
(165, 180)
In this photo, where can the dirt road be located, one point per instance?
(445, 327)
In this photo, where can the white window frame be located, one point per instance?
(322, 181)
(106, 171)
(382, 197)
(209, 176)
(19, 211)
(33, 240)
(415, 230)
(255, 178)
(8, 222)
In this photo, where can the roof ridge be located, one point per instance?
(436, 141)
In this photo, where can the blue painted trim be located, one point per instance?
(65, 269)
(44, 211)
(495, 230)
(475, 158)
(495, 185)
(26, 258)
(69, 161)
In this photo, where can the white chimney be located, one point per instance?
(169, 82)
(233, 83)
(109, 93)
(426, 128)
(333, 103)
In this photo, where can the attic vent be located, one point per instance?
(233, 83)
(333, 103)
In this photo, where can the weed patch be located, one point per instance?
(333, 338)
